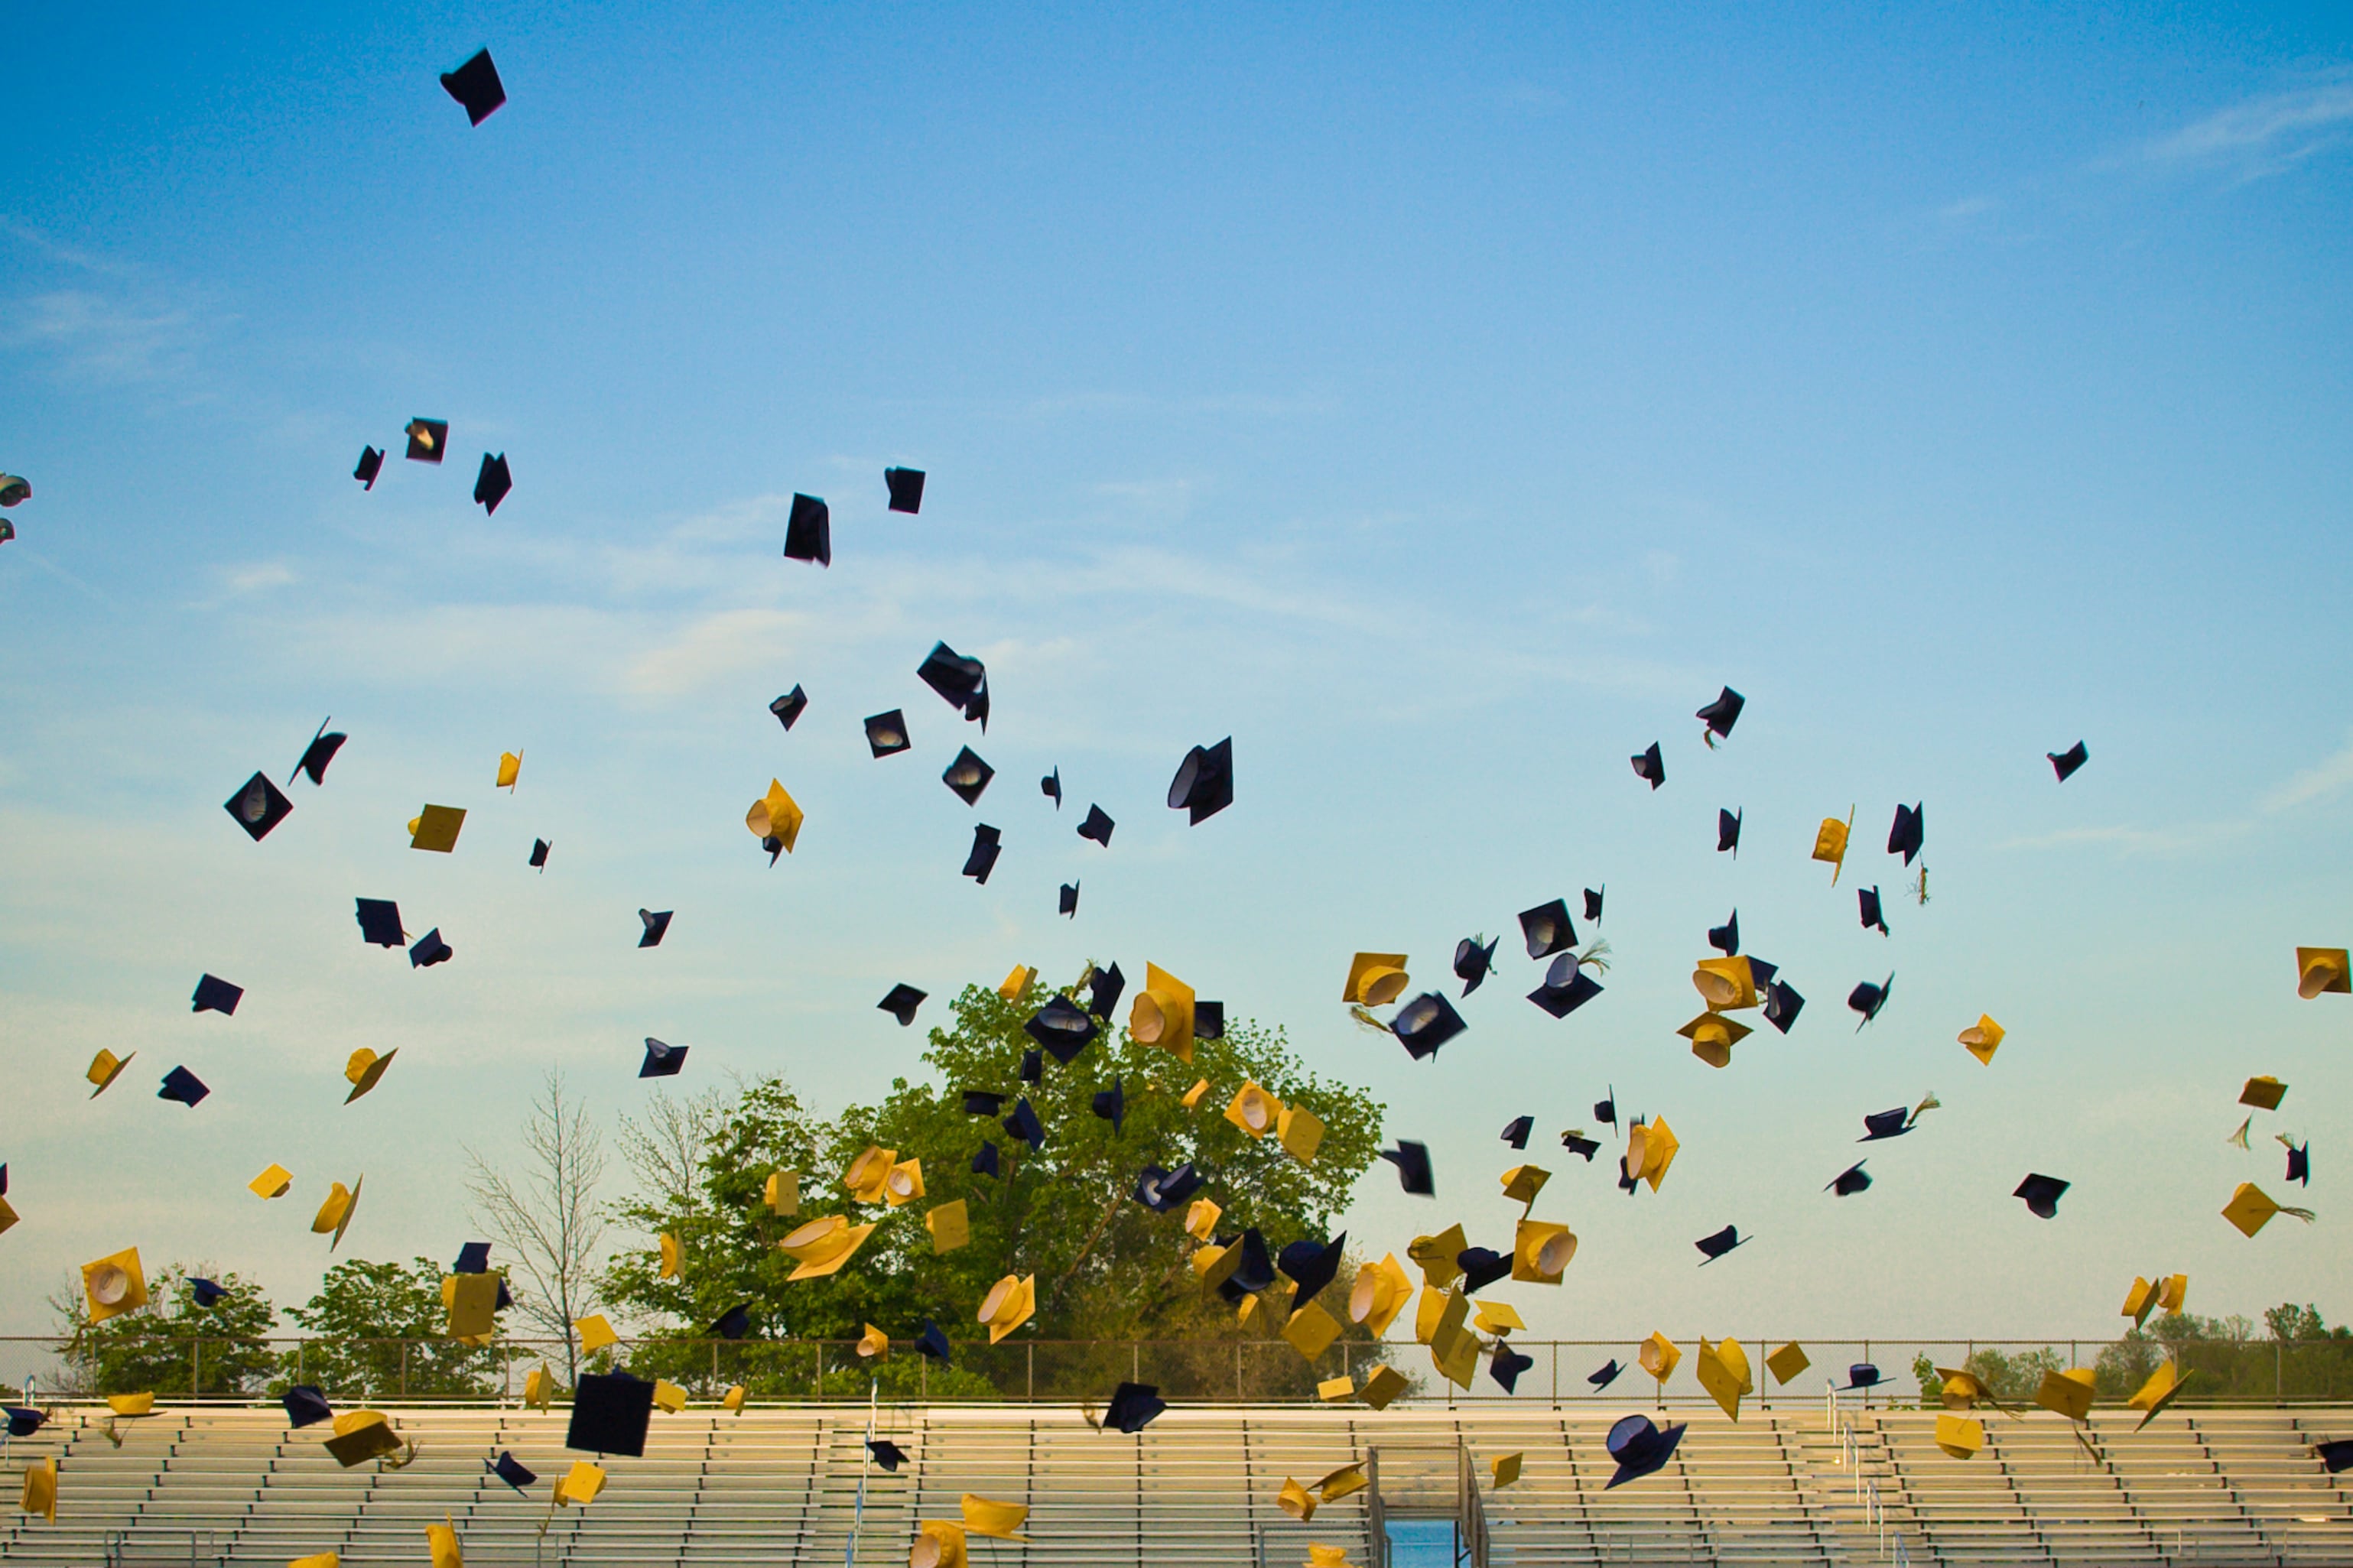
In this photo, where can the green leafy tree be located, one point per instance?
(171, 1347)
(381, 1333)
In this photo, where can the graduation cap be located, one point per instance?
(1905, 837)
(932, 1343)
(968, 776)
(427, 439)
(1253, 1269)
(901, 1005)
(539, 848)
(1507, 1364)
(2335, 1456)
(207, 1292)
(257, 807)
(1546, 928)
(981, 1102)
(380, 922)
(962, 682)
(1024, 1124)
(430, 951)
(2299, 1163)
(370, 465)
(1412, 1161)
(319, 753)
(808, 532)
(1313, 1265)
(510, 1469)
(1516, 1130)
(1097, 826)
(1727, 831)
(1851, 1181)
(1566, 988)
(1474, 960)
(906, 489)
(1861, 1375)
(1482, 1266)
(1111, 1105)
(306, 1405)
(1103, 989)
(1867, 906)
(1051, 787)
(1068, 903)
(491, 485)
(1868, 999)
(661, 1060)
(2065, 763)
(657, 923)
(609, 1414)
(184, 1086)
(23, 1423)
(1606, 1110)
(1722, 1242)
(1033, 1067)
(1650, 766)
(985, 844)
(1204, 784)
(886, 733)
(1885, 1124)
(1726, 937)
(1161, 1190)
(1576, 1143)
(985, 1163)
(1593, 902)
(1604, 1375)
(1062, 1027)
(1723, 713)
(1782, 1004)
(1132, 1406)
(476, 86)
(473, 1258)
(2042, 1195)
(1426, 1023)
(1640, 1448)
(887, 1454)
(733, 1323)
(788, 708)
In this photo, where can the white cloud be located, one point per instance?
(2318, 782)
(2265, 134)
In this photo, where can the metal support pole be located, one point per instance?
(714, 1364)
(1237, 1371)
(1030, 1387)
(404, 1369)
(195, 1369)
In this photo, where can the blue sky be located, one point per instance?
(1443, 407)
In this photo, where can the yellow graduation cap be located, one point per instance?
(1725, 984)
(436, 829)
(2164, 1293)
(783, 1192)
(1375, 978)
(1016, 981)
(873, 1343)
(1541, 1252)
(366, 1069)
(1505, 1469)
(2069, 1393)
(1829, 842)
(539, 1387)
(1651, 1147)
(950, 1225)
(2320, 970)
(1246, 1312)
(472, 1303)
(580, 1485)
(1963, 1389)
(2171, 1292)
(1163, 1013)
(130, 1404)
(41, 1488)
(510, 769)
(1384, 1385)
(1723, 1373)
(1311, 1330)
(361, 1435)
(335, 1213)
(2160, 1391)
(1658, 1356)
(1454, 1351)
(1983, 1037)
(870, 1173)
(1191, 1098)
(2265, 1093)
(1379, 1294)
(1296, 1499)
(903, 1182)
(1007, 1306)
(2250, 1209)
(1523, 1183)
(671, 1256)
(732, 1399)
(1439, 1312)
(113, 1285)
(668, 1395)
(822, 1245)
(1201, 1219)
(105, 1068)
(596, 1334)
(317, 1560)
(273, 1182)
(1301, 1131)
(1713, 1036)
(775, 815)
(441, 1541)
(1333, 1390)
(998, 1521)
(939, 1543)
(1346, 1481)
(1497, 1317)
(8, 1215)
(1437, 1255)
(1254, 1110)
(1787, 1363)
(1960, 1436)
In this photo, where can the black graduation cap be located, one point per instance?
(24, 1423)
(1651, 766)
(1482, 1266)
(474, 1257)
(1861, 1375)
(319, 753)
(733, 1323)
(1723, 713)
(1067, 902)
(1761, 972)
(1868, 999)
(1867, 906)
(1507, 1365)
(1204, 784)
(887, 1454)
(808, 532)
(476, 85)
(886, 733)
(1851, 1181)
(906, 489)
(968, 776)
(1905, 837)
(1546, 928)
(1606, 1110)
(901, 1004)
(380, 922)
(1313, 1265)
(539, 848)
(1782, 1004)
(1097, 826)
(1640, 1448)
(985, 1163)
(306, 1405)
(1727, 831)
(1474, 960)
(430, 951)
(1103, 988)
(2335, 1456)
(1161, 1190)
(184, 1086)
(2042, 1195)
(1516, 1130)
(657, 922)
(2299, 1164)
(1593, 902)
(491, 485)
(427, 439)
(1024, 1124)
(1885, 1124)
(1726, 937)
(986, 843)
(1604, 1375)
(1051, 786)
(207, 1292)
(1033, 1067)
(933, 1343)
(510, 1469)
(1132, 1406)
(788, 706)
(1566, 988)
(257, 807)
(609, 1414)
(1426, 1023)
(661, 1060)
(2065, 763)
(1062, 1027)
(1578, 1143)
(1412, 1161)
(1111, 1104)
(1254, 1273)
(962, 682)
(982, 1102)
(1722, 1242)
(1208, 1020)
(370, 463)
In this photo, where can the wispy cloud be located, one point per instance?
(2316, 782)
(113, 322)
(2266, 133)
(2182, 839)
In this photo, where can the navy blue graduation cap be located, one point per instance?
(1516, 1130)
(258, 806)
(887, 1454)
(901, 1003)
(510, 1469)
(1782, 1005)
(1024, 1124)
(24, 1423)
(1313, 1265)
(1577, 1143)
(1727, 831)
(1868, 999)
(1640, 1449)
(1546, 928)
(1861, 1375)
(1905, 838)
(473, 1258)
(2065, 763)
(1474, 960)
(981, 1102)
(1426, 1023)
(1566, 988)
(886, 733)
(1161, 1190)
(657, 924)
(1726, 937)
(1723, 713)
(380, 922)
(476, 86)
(788, 708)
(906, 486)
(1412, 1161)
(1606, 1110)
(609, 1414)
(808, 532)
(306, 1405)
(985, 844)
(1103, 989)
(1866, 902)
(733, 1323)
(1204, 784)
(1716, 1246)
(1482, 1266)
(1062, 1027)
(962, 682)
(933, 1343)
(428, 440)
(1051, 786)
(1111, 1105)
(1208, 1020)
(985, 1163)
(1132, 1406)
(661, 1060)
(1650, 766)
(491, 485)
(1097, 826)
(539, 848)
(1507, 1365)
(2042, 1195)
(1605, 1375)
(968, 776)
(1761, 972)
(1067, 903)
(1593, 902)
(184, 1086)
(1885, 1124)
(2299, 1164)
(319, 753)
(1254, 1273)
(2335, 1456)
(430, 951)
(370, 463)
(207, 1292)
(1033, 1067)
(1851, 1181)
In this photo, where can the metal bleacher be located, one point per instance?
(210, 1484)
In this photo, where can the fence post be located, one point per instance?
(404, 1369)
(196, 1376)
(1237, 1371)
(1556, 1374)
(714, 1364)
(1135, 1360)
(2279, 1385)
(817, 1378)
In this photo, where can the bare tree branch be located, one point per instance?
(547, 1217)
